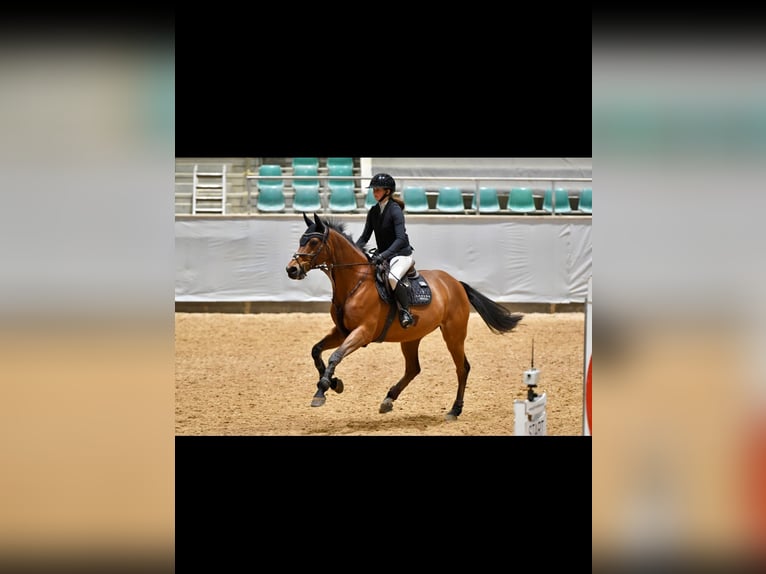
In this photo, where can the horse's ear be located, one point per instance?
(306, 219)
(320, 227)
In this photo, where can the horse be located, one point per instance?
(361, 316)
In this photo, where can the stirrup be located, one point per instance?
(405, 319)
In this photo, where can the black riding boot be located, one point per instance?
(405, 319)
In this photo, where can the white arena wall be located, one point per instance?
(529, 259)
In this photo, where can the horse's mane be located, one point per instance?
(340, 227)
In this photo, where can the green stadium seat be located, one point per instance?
(342, 199)
(342, 162)
(521, 200)
(415, 199)
(488, 200)
(340, 171)
(271, 199)
(450, 200)
(307, 198)
(270, 170)
(586, 201)
(271, 192)
(306, 161)
(342, 191)
(561, 196)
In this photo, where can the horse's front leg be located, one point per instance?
(357, 338)
(332, 340)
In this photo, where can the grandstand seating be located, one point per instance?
(342, 199)
(306, 161)
(450, 200)
(268, 169)
(307, 197)
(561, 197)
(339, 162)
(342, 191)
(521, 200)
(243, 187)
(271, 192)
(488, 201)
(415, 199)
(270, 199)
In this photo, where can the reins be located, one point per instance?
(330, 266)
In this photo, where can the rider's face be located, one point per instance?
(378, 193)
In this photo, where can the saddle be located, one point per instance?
(418, 290)
(418, 293)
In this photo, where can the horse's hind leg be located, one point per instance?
(454, 336)
(462, 378)
(411, 370)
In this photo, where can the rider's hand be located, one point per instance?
(377, 258)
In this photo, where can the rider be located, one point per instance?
(386, 219)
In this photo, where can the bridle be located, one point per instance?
(323, 266)
(305, 239)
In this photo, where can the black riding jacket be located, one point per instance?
(390, 235)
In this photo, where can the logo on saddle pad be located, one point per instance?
(418, 290)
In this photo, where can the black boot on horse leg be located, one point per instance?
(335, 383)
(327, 381)
(319, 398)
(403, 299)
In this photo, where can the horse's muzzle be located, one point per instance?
(295, 271)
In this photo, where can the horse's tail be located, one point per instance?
(497, 317)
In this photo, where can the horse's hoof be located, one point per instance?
(450, 416)
(386, 406)
(336, 385)
(318, 401)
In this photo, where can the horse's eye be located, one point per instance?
(313, 242)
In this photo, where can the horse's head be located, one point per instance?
(311, 249)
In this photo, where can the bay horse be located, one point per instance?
(361, 316)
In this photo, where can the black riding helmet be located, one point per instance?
(383, 180)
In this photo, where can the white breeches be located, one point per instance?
(399, 266)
